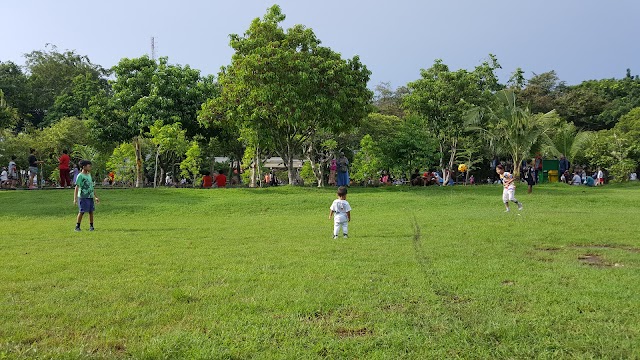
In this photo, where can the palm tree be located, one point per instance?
(568, 140)
(515, 130)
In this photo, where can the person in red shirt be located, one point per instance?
(207, 181)
(221, 180)
(65, 172)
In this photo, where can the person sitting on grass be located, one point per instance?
(590, 181)
(576, 180)
(84, 194)
(221, 179)
(207, 180)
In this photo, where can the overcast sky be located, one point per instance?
(580, 39)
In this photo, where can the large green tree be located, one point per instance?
(146, 91)
(51, 73)
(75, 102)
(443, 98)
(14, 85)
(283, 85)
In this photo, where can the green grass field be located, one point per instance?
(239, 273)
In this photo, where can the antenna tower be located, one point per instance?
(153, 48)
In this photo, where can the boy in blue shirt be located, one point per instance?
(84, 194)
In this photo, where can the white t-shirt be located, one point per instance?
(340, 208)
(3, 176)
(576, 180)
(600, 174)
(12, 168)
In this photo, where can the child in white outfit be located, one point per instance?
(341, 212)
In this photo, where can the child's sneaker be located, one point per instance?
(507, 210)
(91, 228)
(77, 229)
(520, 207)
(345, 236)
(335, 237)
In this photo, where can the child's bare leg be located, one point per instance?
(79, 217)
(91, 217)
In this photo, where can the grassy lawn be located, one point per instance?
(239, 273)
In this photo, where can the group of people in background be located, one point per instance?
(218, 180)
(11, 177)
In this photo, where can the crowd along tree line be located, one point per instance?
(284, 94)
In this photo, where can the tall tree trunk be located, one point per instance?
(155, 174)
(289, 163)
(318, 167)
(139, 170)
(254, 169)
(452, 158)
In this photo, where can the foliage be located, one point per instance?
(388, 101)
(76, 101)
(566, 139)
(611, 150)
(8, 115)
(307, 173)
(14, 85)
(367, 163)
(52, 74)
(284, 86)
(516, 130)
(190, 166)
(123, 163)
(443, 98)
(144, 92)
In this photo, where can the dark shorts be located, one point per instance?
(86, 205)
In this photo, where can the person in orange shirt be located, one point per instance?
(221, 179)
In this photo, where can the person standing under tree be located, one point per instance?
(332, 172)
(84, 194)
(13, 172)
(530, 176)
(65, 172)
(343, 171)
(509, 191)
(33, 167)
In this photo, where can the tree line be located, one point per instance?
(285, 94)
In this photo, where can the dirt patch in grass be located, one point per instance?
(548, 248)
(607, 246)
(508, 283)
(596, 260)
(357, 332)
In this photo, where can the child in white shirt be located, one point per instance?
(341, 212)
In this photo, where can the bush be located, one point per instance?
(307, 174)
(621, 170)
